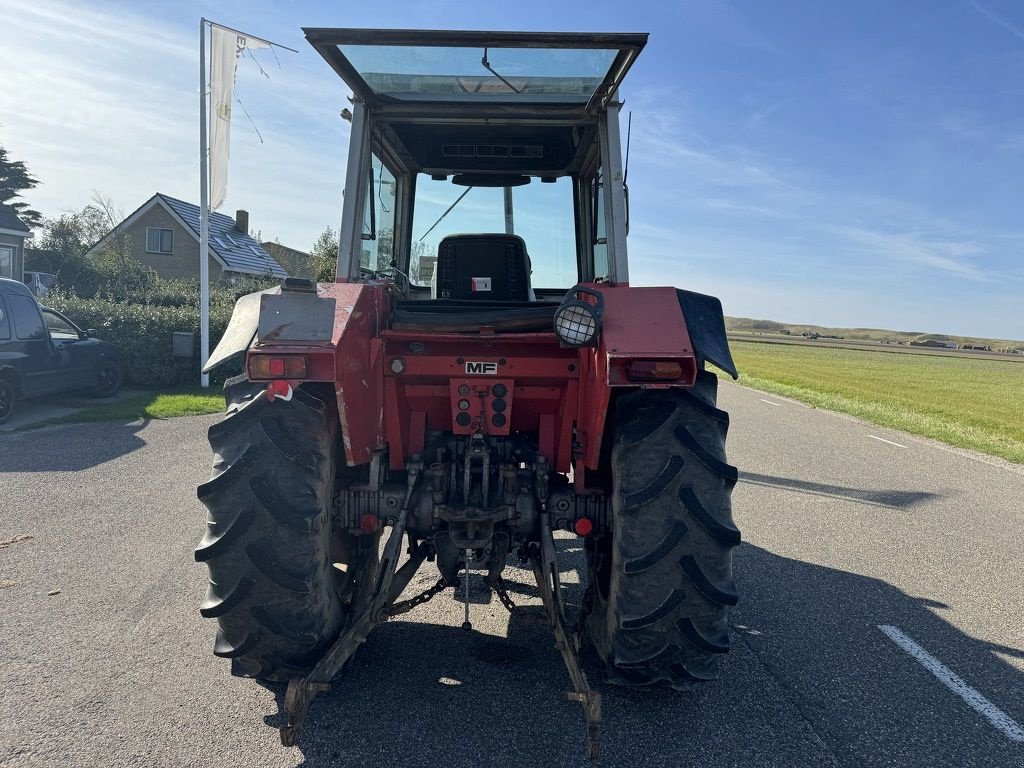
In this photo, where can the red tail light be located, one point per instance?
(653, 370)
(277, 367)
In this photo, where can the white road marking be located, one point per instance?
(777, 405)
(1010, 728)
(890, 442)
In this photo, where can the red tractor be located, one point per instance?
(479, 376)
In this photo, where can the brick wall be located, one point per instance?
(183, 262)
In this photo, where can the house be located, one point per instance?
(163, 234)
(13, 232)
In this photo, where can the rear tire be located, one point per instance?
(662, 582)
(108, 380)
(273, 588)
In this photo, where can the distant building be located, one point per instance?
(295, 262)
(934, 343)
(163, 234)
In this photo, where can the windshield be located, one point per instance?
(542, 214)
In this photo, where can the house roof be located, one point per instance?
(9, 220)
(234, 248)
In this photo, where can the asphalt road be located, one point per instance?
(843, 533)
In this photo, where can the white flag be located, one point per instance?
(226, 47)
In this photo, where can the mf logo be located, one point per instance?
(481, 369)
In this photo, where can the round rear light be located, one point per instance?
(578, 317)
(576, 324)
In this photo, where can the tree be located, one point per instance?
(123, 272)
(60, 249)
(14, 179)
(324, 256)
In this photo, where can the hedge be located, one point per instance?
(143, 331)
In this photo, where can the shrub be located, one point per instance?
(143, 334)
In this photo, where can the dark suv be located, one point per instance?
(42, 352)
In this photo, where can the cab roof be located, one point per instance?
(441, 68)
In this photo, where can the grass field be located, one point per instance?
(976, 404)
(192, 401)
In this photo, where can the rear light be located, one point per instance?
(369, 523)
(277, 367)
(583, 527)
(653, 370)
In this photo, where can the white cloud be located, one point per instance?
(107, 100)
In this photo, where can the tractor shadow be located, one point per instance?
(810, 677)
(889, 498)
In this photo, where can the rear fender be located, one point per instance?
(646, 324)
(241, 330)
(705, 322)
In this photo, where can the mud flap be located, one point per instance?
(706, 324)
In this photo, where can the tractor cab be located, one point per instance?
(478, 163)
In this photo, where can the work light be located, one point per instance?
(578, 317)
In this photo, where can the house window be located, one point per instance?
(6, 261)
(159, 240)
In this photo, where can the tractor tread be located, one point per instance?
(214, 606)
(664, 654)
(659, 553)
(717, 644)
(647, 494)
(692, 569)
(661, 583)
(726, 533)
(716, 465)
(216, 542)
(269, 534)
(663, 610)
(225, 649)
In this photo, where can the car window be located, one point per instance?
(28, 325)
(59, 327)
(5, 323)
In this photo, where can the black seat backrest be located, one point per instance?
(485, 267)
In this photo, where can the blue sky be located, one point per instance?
(857, 164)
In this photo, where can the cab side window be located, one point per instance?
(28, 324)
(378, 218)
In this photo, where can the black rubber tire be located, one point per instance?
(662, 582)
(108, 379)
(8, 398)
(268, 544)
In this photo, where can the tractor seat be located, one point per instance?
(484, 267)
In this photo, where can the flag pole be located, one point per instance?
(204, 214)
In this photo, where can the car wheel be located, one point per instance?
(108, 380)
(8, 395)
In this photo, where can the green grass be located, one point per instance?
(969, 403)
(192, 401)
